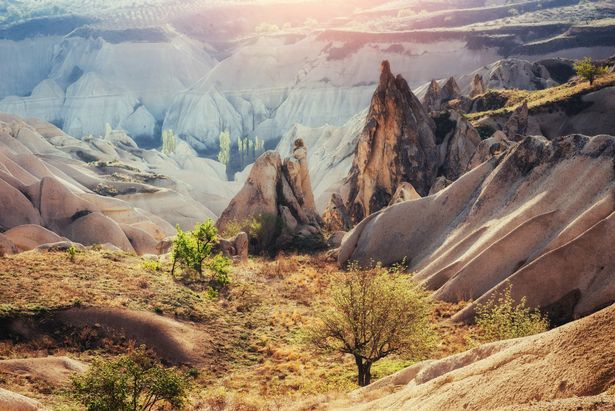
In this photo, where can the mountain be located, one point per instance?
(200, 68)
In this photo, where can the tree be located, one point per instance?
(501, 319)
(224, 155)
(372, 314)
(132, 382)
(588, 70)
(193, 250)
(168, 142)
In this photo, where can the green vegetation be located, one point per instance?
(169, 143)
(224, 155)
(372, 314)
(501, 319)
(151, 265)
(249, 150)
(261, 230)
(131, 382)
(72, 252)
(193, 250)
(588, 70)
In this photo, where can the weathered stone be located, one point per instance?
(516, 126)
(335, 215)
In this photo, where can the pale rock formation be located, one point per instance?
(404, 192)
(431, 100)
(478, 87)
(396, 145)
(440, 184)
(450, 91)
(236, 247)
(457, 146)
(12, 401)
(336, 215)
(15, 208)
(538, 215)
(29, 236)
(96, 228)
(7, 247)
(279, 190)
(495, 145)
(516, 126)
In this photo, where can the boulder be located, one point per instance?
(396, 145)
(7, 247)
(404, 192)
(335, 239)
(495, 145)
(96, 228)
(59, 246)
(12, 401)
(336, 215)
(236, 247)
(141, 241)
(29, 236)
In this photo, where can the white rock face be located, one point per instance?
(92, 102)
(139, 123)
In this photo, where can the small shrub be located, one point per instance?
(151, 265)
(193, 250)
(588, 70)
(261, 230)
(134, 381)
(72, 252)
(501, 319)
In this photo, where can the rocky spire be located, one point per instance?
(396, 145)
(516, 126)
(450, 91)
(478, 87)
(431, 100)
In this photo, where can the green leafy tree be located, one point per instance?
(131, 382)
(588, 70)
(224, 155)
(500, 318)
(169, 143)
(193, 251)
(372, 314)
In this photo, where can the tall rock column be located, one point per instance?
(397, 145)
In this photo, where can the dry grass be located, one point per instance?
(263, 360)
(549, 96)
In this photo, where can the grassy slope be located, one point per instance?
(258, 325)
(538, 99)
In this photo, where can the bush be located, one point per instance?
(131, 382)
(193, 250)
(372, 314)
(501, 319)
(588, 70)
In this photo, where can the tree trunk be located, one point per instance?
(364, 371)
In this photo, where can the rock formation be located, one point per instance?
(396, 145)
(539, 215)
(404, 192)
(431, 100)
(278, 190)
(336, 215)
(55, 188)
(450, 91)
(516, 126)
(457, 140)
(478, 87)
